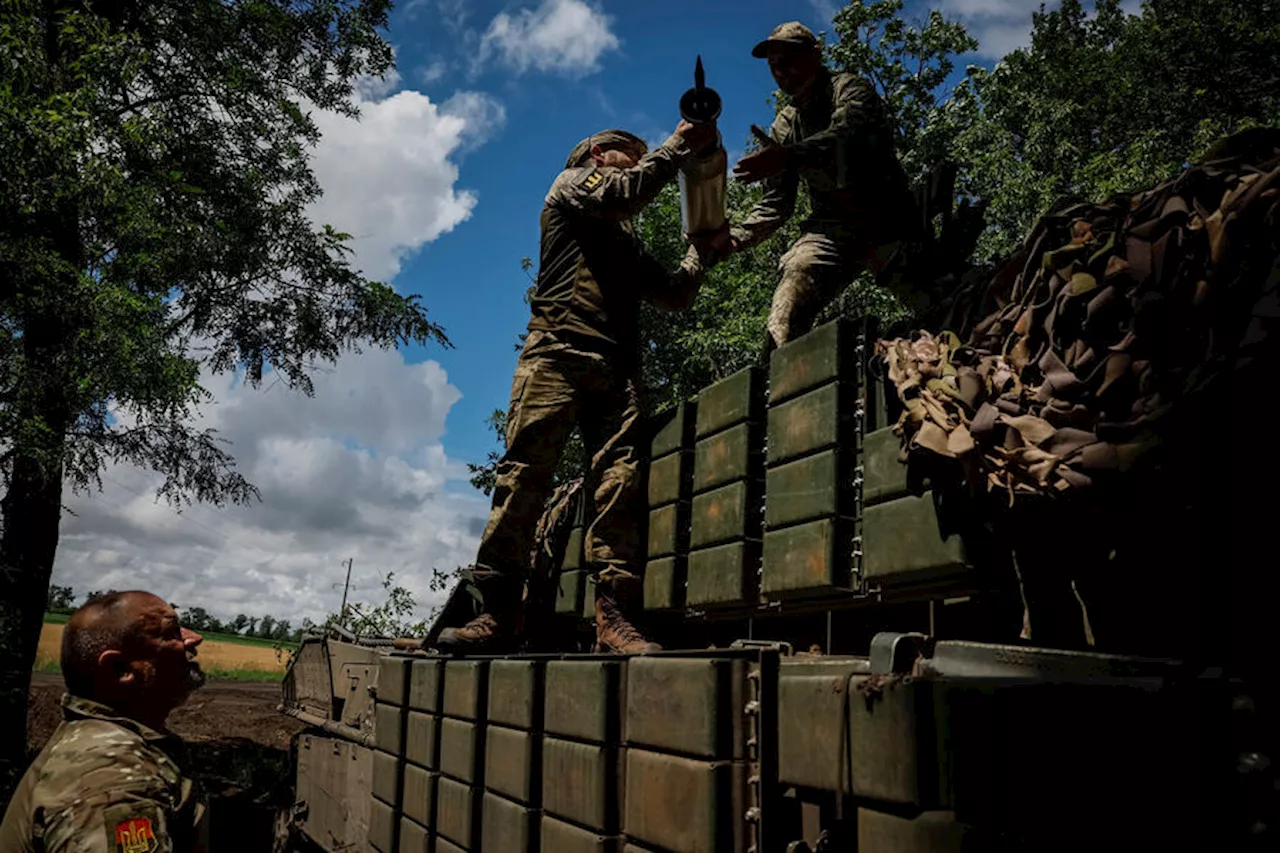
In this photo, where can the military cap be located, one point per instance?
(606, 139)
(791, 33)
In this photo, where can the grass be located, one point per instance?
(253, 675)
(61, 619)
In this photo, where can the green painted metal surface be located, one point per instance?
(582, 699)
(569, 595)
(892, 744)
(723, 515)
(807, 489)
(515, 692)
(511, 766)
(459, 755)
(455, 811)
(386, 777)
(729, 455)
(382, 826)
(807, 559)
(902, 543)
(678, 803)
(573, 554)
(814, 421)
(885, 478)
(664, 530)
(675, 433)
(425, 680)
(579, 783)
(507, 827)
(393, 679)
(388, 728)
(664, 584)
(420, 794)
(414, 838)
(819, 356)
(421, 738)
(683, 705)
(668, 478)
(930, 832)
(812, 716)
(560, 837)
(444, 845)
(588, 598)
(724, 574)
(464, 689)
(730, 401)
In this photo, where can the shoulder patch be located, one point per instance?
(135, 835)
(591, 180)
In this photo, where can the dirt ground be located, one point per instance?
(213, 654)
(237, 747)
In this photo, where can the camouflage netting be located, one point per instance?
(1096, 333)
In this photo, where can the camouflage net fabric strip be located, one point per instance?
(1091, 336)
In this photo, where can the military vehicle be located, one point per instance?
(852, 666)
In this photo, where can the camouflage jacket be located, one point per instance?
(841, 145)
(593, 272)
(104, 784)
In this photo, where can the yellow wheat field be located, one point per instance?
(212, 654)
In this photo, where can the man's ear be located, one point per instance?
(597, 154)
(113, 666)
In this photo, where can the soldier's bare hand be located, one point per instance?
(699, 137)
(770, 160)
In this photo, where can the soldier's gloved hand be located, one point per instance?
(699, 137)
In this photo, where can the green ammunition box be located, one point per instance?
(561, 837)
(893, 744)
(814, 421)
(665, 527)
(885, 478)
(420, 739)
(675, 432)
(420, 794)
(807, 559)
(464, 689)
(730, 401)
(459, 753)
(728, 513)
(382, 826)
(826, 353)
(386, 777)
(579, 783)
(812, 698)
(511, 763)
(902, 544)
(573, 556)
(393, 679)
(581, 699)
(507, 827)
(686, 705)
(456, 812)
(414, 838)
(725, 574)
(588, 598)
(569, 595)
(444, 845)
(813, 487)
(681, 804)
(515, 692)
(930, 832)
(388, 728)
(425, 679)
(729, 455)
(669, 478)
(664, 584)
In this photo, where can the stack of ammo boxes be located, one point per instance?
(670, 485)
(388, 762)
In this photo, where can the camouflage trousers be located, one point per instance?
(556, 387)
(813, 272)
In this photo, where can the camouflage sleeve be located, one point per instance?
(675, 291)
(622, 193)
(858, 126)
(779, 200)
(124, 822)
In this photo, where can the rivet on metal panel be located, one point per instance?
(753, 814)
(753, 708)
(753, 780)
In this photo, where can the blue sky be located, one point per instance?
(441, 182)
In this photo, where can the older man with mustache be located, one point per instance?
(107, 780)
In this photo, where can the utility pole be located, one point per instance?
(342, 614)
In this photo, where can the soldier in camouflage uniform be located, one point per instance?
(580, 365)
(107, 782)
(835, 136)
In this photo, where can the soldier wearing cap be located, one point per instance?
(836, 138)
(107, 781)
(580, 365)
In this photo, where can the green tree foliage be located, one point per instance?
(393, 617)
(154, 185)
(61, 599)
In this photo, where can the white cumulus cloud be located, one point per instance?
(561, 36)
(1002, 26)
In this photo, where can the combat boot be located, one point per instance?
(492, 632)
(614, 631)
